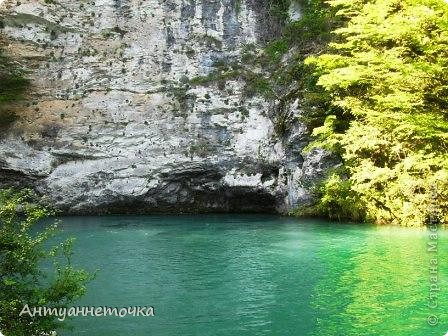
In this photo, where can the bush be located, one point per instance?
(22, 281)
(386, 82)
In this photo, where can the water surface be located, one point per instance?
(257, 275)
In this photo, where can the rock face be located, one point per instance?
(124, 117)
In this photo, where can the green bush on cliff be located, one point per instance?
(337, 200)
(22, 280)
(307, 36)
(279, 9)
(385, 80)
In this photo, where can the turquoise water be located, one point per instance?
(257, 275)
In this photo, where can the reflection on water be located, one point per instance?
(256, 275)
(381, 288)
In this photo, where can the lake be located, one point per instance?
(257, 275)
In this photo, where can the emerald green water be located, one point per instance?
(257, 275)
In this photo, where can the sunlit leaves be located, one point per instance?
(388, 72)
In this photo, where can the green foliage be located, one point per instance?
(337, 200)
(306, 36)
(311, 33)
(314, 27)
(276, 49)
(13, 85)
(238, 6)
(385, 79)
(279, 9)
(22, 280)
(256, 84)
(326, 137)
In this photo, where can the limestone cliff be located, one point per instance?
(124, 114)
